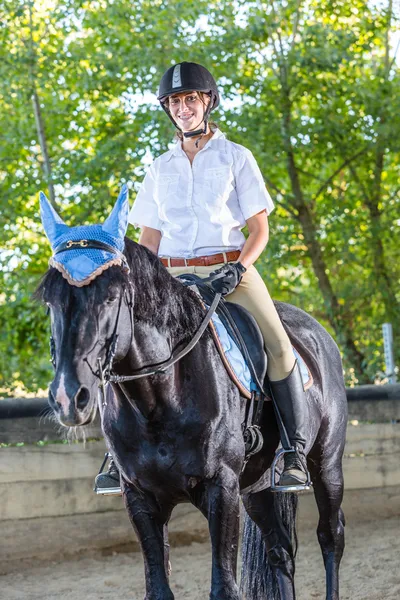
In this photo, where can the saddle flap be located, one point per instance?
(252, 337)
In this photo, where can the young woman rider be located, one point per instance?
(191, 207)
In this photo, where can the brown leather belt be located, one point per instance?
(202, 261)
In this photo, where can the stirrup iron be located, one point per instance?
(112, 491)
(275, 487)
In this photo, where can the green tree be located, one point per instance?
(309, 87)
(295, 73)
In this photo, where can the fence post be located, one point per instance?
(387, 331)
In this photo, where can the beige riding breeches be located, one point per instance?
(253, 295)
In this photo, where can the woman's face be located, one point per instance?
(187, 109)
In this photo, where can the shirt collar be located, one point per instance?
(177, 150)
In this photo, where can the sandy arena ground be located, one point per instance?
(370, 567)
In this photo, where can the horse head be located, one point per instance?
(90, 315)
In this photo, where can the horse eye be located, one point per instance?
(111, 299)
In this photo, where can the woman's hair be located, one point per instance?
(213, 126)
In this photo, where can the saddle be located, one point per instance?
(235, 323)
(242, 328)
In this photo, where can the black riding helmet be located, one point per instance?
(188, 77)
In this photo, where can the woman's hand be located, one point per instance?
(232, 276)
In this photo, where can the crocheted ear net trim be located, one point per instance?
(64, 272)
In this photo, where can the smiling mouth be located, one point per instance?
(185, 117)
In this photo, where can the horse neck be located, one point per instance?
(164, 315)
(150, 346)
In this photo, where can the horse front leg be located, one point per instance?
(150, 523)
(220, 504)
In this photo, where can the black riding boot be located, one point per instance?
(108, 483)
(291, 402)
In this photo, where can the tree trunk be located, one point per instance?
(338, 318)
(40, 130)
(381, 271)
(375, 198)
(43, 146)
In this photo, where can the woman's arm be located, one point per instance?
(257, 240)
(150, 238)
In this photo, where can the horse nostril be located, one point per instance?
(82, 398)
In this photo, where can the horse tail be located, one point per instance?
(257, 577)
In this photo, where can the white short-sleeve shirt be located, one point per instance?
(200, 208)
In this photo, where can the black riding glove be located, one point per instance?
(233, 273)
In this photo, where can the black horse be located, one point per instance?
(177, 436)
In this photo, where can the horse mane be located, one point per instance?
(159, 298)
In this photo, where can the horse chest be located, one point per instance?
(171, 446)
(166, 458)
(175, 452)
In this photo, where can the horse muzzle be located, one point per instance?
(73, 405)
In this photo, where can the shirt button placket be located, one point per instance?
(190, 204)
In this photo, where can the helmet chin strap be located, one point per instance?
(197, 133)
(192, 133)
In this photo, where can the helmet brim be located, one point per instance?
(182, 89)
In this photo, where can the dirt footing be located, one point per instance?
(30, 542)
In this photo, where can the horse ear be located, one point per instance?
(52, 223)
(116, 223)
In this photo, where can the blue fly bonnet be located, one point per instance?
(82, 253)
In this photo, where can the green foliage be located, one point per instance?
(315, 81)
